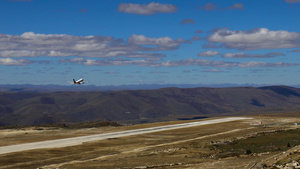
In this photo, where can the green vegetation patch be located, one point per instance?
(92, 124)
(68, 126)
(260, 143)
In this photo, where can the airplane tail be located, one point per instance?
(74, 81)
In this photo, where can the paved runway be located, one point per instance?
(79, 140)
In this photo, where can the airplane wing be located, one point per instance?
(80, 81)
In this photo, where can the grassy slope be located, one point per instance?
(70, 107)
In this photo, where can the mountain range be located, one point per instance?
(87, 87)
(34, 108)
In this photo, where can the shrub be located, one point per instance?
(248, 152)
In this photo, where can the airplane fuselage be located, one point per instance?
(80, 81)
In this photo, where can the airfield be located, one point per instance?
(228, 142)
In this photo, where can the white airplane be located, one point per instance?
(80, 81)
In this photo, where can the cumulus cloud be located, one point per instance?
(243, 55)
(209, 63)
(259, 38)
(251, 64)
(208, 53)
(110, 62)
(193, 62)
(30, 44)
(34, 45)
(212, 70)
(138, 50)
(148, 9)
(13, 62)
(21, 53)
(164, 43)
(172, 63)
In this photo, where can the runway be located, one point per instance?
(79, 140)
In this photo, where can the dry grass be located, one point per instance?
(180, 148)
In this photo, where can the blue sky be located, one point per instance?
(124, 42)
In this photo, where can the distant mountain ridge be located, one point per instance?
(30, 108)
(86, 87)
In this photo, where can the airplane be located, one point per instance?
(80, 81)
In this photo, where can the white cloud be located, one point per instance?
(74, 60)
(90, 62)
(58, 53)
(243, 55)
(209, 63)
(21, 53)
(260, 38)
(212, 70)
(170, 63)
(165, 43)
(110, 62)
(30, 44)
(12, 62)
(144, 9)
(208, 53)
(88, 47)
(191, 62)
(57, 43)
(251, 64)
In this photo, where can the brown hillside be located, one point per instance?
(72, 107)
